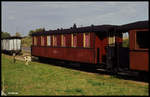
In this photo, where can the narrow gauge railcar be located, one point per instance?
(84, 44)
(138, 53)
(100, 45)
(11, 45)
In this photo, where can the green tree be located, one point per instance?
(31, 32)
(36, 30)
(40, 30)
(5, 34)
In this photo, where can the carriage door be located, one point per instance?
(123, 51)
(110, 49)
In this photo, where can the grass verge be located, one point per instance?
(46, 79)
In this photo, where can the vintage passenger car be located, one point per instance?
(138, 45)
(84, 44)
(97, 45)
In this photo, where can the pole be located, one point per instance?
(14, 55)
(116, 52)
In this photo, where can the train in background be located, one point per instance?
(96, 45)
(11, 45)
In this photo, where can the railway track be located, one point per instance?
(127, 75)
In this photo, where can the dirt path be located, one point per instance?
(21, 58)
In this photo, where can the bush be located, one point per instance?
(26, 41)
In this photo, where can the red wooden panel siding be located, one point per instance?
(58, 40)
(51, 40)
(72, 54)
(98, 44)
(101, 42)
(74, 40)
(92, 39)
(68, 40)
(39, 40)
(45, 40)
(104, 44)
(80, 40)
(139, 60)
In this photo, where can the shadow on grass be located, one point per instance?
(93, 69)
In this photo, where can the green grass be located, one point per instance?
(46, 79)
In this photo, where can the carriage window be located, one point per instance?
(35, 40)
(42, 40)
(74, 40)
(48, 40)
(86, 39)
(54, 40)
(125, 39)
(63, 40)
(111, 39)
(142, 39)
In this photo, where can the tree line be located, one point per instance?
(18, 34)
(36, 30)
(7, 34)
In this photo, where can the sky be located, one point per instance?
(25, 16)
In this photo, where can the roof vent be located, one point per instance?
(92, 25)
(74, 26)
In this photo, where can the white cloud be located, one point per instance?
(64, 14)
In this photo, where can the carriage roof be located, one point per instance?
(97, 29)
(13, 37)
(134, 25)
(92, 28)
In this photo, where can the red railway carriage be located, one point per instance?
(100, 44)
(138, 45)
(85, 44)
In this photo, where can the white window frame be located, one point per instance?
(49, 40)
